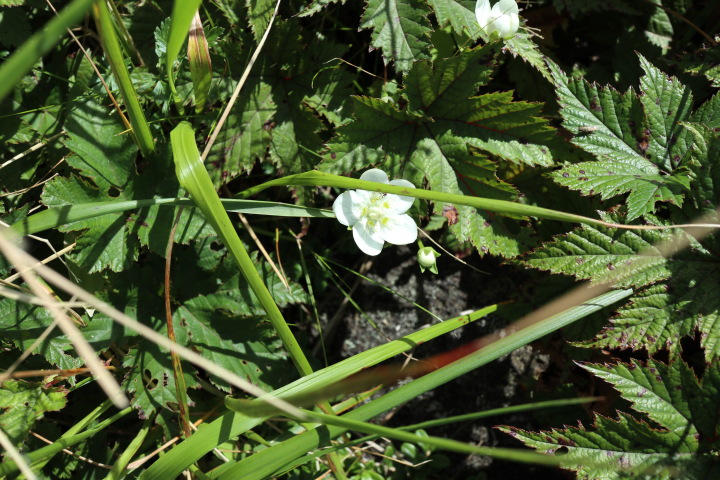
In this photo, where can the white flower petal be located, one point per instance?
(482, 12)
(399, 230)
(400, 203)
(375, 175)
(369, 243)
(514, 25)
(508, 7)
(401, 182)
(503, 27)
(343, 208)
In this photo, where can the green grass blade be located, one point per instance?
(182, 14)
(267, 462)
(515, 455)
(14, 68)
(525, 407)
(119, 469)
(194, 178)
(319, 179)
(8, 466)
(106, 29)
(77, 428)
(231, 424)
(445, 421)
(58, 216)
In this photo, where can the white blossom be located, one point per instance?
(376, 218)
(500, 21)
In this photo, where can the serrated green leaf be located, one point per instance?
(251, 354)
(400, 28)
(594, 253)
(604, 121)
(107, 158)
(659, 30)
(659, 316)
(705, 165)
(259, 13)
(685, 438)
(682, 299)
(641, 144)
(460, 14)
(611, 178)
(22, 324)
(666, 103)
(281, 105)
(621, 449)
(428, 139)
(246, 135)
(670, 395)
(150, 376)
(522, 45)
(23, 403)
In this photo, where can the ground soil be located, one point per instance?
(456, 289)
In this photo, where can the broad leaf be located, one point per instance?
(640, 143)
(105, 158)
(278, 111)
(460, 14)
(680, 293)
(259, 14)
(685, 438)
(23, 403)
(22, 324)
(400, 28)
(428, 139)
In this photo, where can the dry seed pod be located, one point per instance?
(200, 64)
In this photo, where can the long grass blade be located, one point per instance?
(180, 20)
(106, 29)
(232, 424)
(58, 216)
(14, 68)
(317, 179)
(267, 462)
(194, 178)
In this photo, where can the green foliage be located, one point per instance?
(679, 433)
(400, 30)
(640, 141)
(426, 135)
(24, 403)
(105, 159)
(675, 296)
(408, 86)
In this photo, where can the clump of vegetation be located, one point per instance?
(178, 179)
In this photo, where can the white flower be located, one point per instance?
(376, 218)
(500, 21)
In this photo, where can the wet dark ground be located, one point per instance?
(501, 383)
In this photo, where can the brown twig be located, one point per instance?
(180, 387)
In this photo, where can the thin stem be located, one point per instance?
(239, 86)
(321, 179)
(180, 387)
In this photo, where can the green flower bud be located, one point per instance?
(427, 259)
